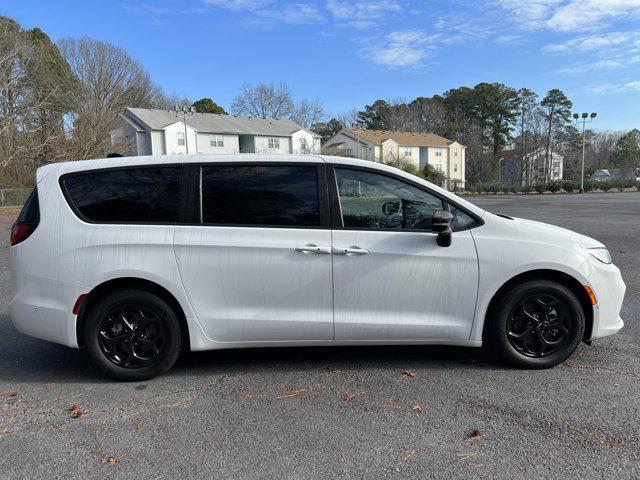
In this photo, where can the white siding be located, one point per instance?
(171, 139)
(304, 142)
(231, 143)
(262, 145)
(158, 146)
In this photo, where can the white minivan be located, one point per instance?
(136, 259)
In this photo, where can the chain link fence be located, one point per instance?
(13, 197)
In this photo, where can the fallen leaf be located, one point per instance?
(290, 393)
(5, 431)
(478, 400)
(476, 434)
(465, 455)
(411, 453)
(112, 461)
(417, 408)
(348, 398)
(76, 412)
(138, 425)
(251, 395)
(333, 370)
(14, 393)
(179, 403)
(409, 373)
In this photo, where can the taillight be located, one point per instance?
(20, 231)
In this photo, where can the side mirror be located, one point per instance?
(390, 208)
(441, 223)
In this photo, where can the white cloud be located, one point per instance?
(592, 14)
(239, 5)
(630, 86)
(401, 49)
(568, 16)
(597, 43)
(530, 14)
(294, 14)
(361, 13)
(510, 40)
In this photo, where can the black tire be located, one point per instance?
(537, 324)
(140, 346)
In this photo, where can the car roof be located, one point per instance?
(62, 168)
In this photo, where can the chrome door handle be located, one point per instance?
(349, 251)
(311, 248)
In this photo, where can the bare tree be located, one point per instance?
(264, 101)
(110, 81)
(308, 113)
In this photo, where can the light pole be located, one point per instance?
(184, 110)
(584, 120)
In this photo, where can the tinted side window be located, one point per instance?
(461, 220)
(260, 195)
(30, 212)
(141, 195)
(377, 202)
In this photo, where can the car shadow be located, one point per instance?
(24, 359)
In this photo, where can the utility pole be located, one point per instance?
(184, 109)
(584, 120)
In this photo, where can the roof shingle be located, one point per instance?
(408, 139)
(213, 123)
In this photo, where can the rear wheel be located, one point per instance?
(133, 335)
(538, 324)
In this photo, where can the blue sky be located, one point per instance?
(349, 53)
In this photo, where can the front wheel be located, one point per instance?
(133, 335)
(538, 324)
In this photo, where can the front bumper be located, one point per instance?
(606, 281)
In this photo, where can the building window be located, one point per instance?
(348, 152)
(390, 151)
(274, 142)
(180, 136)
(455, 152)
(438, 167)
(216, 141)
(455, 167)
(407, 151)
(438, 152)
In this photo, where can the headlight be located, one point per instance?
(601, 254)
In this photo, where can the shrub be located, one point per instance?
(554, 186)
(539, 187)
(515, 189)
(404, 164)
(527, 188)
(569, 186)
(605, 186)
(638, 186)
(430, 173)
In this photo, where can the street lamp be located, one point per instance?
(585, 118)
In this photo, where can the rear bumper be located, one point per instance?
(45, 322)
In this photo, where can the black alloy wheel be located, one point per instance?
(539, 325)
(535, 324)
(133, 335)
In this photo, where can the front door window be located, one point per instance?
(373, 201)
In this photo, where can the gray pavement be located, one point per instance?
(339, 412)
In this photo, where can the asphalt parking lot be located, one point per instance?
(401, 412)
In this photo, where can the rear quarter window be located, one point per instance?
(131, 195)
